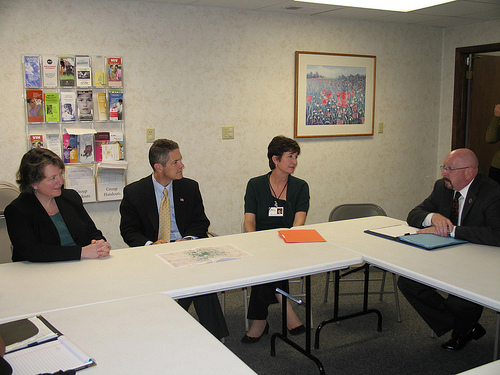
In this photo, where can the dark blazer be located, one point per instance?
(34, 236)
(139, 212)
(5, 368)
(480, 216)
(139, 224)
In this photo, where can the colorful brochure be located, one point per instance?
(52, 113)
(85, 105)
(114, 71)
(34, 102)
(32, 71)
(116, 105)
(67, 70)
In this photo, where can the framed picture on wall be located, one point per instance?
(334, 94)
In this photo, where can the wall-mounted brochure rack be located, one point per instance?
(74, 106)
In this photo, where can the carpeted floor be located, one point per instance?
(354, 346)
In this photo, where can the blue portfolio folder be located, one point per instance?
(430, 241)
(424, 241)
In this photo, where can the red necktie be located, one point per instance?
(454, 209)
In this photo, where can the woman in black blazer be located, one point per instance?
(47, 222)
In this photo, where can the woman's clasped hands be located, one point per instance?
(96, 249)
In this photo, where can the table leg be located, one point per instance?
(497, 335)
(337, 318)
(283, 335)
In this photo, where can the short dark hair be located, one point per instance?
(278, 146)
(32, 167)
(160, 150)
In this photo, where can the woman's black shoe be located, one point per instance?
(252, 340)
(297, 330)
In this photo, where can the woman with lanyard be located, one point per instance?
(274, 200)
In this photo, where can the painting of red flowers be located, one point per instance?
(334, 94)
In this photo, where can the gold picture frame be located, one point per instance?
(334, 94)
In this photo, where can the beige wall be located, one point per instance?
(190, 70)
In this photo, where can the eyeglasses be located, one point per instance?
(449, 169)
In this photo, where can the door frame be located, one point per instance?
(459, 123)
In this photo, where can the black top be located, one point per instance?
(258, 199)
(34, 236)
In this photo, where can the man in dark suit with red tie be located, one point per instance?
(141, 210)
(464, 204)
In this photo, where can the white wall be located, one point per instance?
(188, 71)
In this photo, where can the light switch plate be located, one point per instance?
(228, 132)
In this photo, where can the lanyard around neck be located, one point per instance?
(274, 193)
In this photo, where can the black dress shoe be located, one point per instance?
(297, 330)
(459, 342)
(252, 340)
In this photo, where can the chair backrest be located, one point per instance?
(355, 210)
(8, 193)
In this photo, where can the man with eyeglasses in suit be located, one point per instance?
(464, 204)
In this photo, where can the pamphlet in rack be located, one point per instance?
(52, 113)
(80, 177)
(53, 143)
(67, 71)
(85, 105)
(68, 109)
(115, 105)
(114, 72)
(83, 71)
(98, 73)
(35, 108)
(36, 141)
(50, 65)
(111, 180)
(32, 71)
(102, 112)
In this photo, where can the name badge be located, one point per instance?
(275, 211)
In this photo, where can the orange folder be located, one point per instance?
(301, 235)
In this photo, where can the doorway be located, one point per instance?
(477, 70)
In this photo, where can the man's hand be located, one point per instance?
(441, 226)
(159, 242)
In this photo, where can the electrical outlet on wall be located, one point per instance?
(150, 135)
